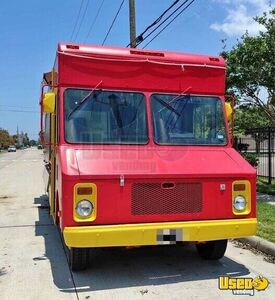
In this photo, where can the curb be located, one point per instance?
(260, 244)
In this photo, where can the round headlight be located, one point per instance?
(239, 203)
(84, 208)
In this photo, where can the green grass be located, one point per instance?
(266, 221)
(264, 187)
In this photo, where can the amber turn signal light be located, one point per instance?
(239, 187)
(84, 191)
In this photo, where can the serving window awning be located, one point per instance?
(140, 75)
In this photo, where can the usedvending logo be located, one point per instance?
(243, 286)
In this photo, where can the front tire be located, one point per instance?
(78, 258)
(212, 250)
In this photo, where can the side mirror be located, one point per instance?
(48, 103)
(229, 111)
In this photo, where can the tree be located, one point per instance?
(25, 139)
(251, 67)
(5, 139)
(15, 138)
(33, 143)
(247, 118)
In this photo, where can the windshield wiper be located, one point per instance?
(181, 94)
(167, 105)
(84, 99)
(180, 97)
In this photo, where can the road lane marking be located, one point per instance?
(15, 160)
(26, 225)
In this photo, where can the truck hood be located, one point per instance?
(153, 162)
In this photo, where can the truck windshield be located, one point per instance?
(188, 120)
(106, 117)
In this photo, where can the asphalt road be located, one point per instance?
(33, 262)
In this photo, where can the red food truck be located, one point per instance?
(138, 151)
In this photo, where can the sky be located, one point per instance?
(31, 29)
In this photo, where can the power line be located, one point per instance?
(82, 19)
(77, 19)
(16, 106)
(141, 39)
(140, 36)
(94, 21)
(169, 23)
(20, 111)
(113, 22)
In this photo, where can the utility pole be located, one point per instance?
(132, 22)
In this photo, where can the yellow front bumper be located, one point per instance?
(157, 233)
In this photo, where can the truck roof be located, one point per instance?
(131, 69)
(140, 54)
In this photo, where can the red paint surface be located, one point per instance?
(104, 164)
(119, 69)
(211, 167)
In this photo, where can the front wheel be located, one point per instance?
(212, 250)
(78, 258)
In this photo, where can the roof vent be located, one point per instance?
(147, 53)
(76, 47)
(214, 59)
